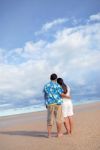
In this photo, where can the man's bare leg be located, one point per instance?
(59, 127)
(49, 128)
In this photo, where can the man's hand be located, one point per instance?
(46, 106)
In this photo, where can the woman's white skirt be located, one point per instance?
(67, 107)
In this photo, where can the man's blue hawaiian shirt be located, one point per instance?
(53, 92)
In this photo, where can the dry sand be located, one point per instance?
(28, 131)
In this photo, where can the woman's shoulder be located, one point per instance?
(68, 87)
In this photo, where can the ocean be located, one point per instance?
(5, 110)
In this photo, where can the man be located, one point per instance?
(53, 94)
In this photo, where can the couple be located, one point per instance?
(58, 104)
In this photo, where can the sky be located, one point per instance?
(40, 37)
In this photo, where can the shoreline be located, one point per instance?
(75, 105)
(41, 115)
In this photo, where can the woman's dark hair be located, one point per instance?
(53, 76)
(61, 83)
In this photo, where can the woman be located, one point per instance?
(67, 107)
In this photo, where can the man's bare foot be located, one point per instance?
(59, 135)
(49, 136)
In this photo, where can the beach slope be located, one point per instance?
(28, 131)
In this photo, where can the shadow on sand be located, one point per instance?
(28, 133)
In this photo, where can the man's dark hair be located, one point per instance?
(53, 76)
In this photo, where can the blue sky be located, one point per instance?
(39, 37)
(19, 19)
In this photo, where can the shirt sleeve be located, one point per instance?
(45, 96)
(45, 89)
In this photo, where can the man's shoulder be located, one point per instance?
(57, 85)
(52, 84)
(47, 84)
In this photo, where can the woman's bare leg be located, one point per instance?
(67, 125)
(70, 123)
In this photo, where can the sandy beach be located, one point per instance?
(29, 132)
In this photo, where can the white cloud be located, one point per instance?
(74, 55)
(31, 46)
(52, 24)
(2, 55)
(49, 25)
(95, 17)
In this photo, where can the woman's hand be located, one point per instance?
(65, 96)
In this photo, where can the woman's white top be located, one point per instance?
(67, 106)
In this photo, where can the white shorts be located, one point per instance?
(67, 107)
